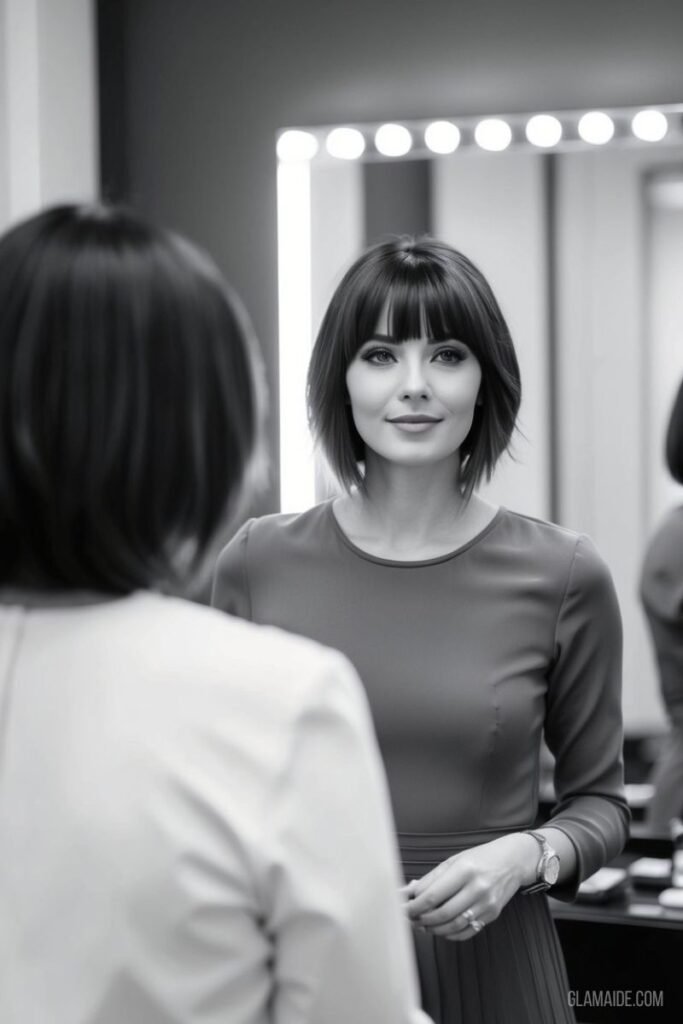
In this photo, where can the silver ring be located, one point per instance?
(468, 915)
(476, 925)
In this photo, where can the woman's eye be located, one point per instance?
(378, 356)
(449, 355)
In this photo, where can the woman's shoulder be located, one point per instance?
(545, 535)
(197, 687)
(567, 554)
(222, 650)
(285, 530)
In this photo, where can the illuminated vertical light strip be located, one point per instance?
(297, 476)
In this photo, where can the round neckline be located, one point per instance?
(412, 563)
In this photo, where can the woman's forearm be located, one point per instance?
(526, 851)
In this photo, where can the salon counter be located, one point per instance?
(624, 957)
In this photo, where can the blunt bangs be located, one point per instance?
(426, 288)
(418, 301)
(129, 411)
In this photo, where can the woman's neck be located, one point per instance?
(411, 500)
(411, 512)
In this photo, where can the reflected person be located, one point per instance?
(661, 591)
(194, 825)
(475, 629)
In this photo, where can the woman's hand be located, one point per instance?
(470, 889)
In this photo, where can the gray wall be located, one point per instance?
(195, 91)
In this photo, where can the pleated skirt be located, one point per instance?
(512, 972)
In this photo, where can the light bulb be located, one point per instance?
(442, 137)
(493, 134)
(596, 127)
(345, 143)
(393, 140)
(649, 125)
(296, 145)
(543, 130)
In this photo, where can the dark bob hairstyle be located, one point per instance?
(674, 438)
(426, 286)
(129, 411)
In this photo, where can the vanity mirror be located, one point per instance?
(576, 218)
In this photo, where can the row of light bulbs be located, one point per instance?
(494, 134)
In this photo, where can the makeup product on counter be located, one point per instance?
(651, 872)
(672, 899)
(604, 885)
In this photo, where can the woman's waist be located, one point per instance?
(421, 851)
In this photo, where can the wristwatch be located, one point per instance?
(548, 867)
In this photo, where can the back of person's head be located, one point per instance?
(674, 438)
(129, 410)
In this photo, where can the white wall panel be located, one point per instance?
(48, 120)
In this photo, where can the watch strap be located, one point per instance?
(540, 885)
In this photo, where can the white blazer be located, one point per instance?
(194, 824)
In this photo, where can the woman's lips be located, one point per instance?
(414, 424)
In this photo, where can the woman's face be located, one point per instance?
(413, 401)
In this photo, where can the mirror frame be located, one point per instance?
(298, 150)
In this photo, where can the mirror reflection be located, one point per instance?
(583, 249)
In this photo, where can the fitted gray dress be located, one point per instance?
(468, 659)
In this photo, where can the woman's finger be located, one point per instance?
(463, 936)
(454, 931)
(463, 926)
(451, 910)
(442, 887)
(409, 888)
(418, 885)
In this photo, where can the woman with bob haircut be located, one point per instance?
(661, 591)
(475, 630)
(166, 773)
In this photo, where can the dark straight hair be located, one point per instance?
(674, 438)
(426, 286)
(129, 409)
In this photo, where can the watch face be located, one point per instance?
(551, 869)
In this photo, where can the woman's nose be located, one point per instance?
(414, 383)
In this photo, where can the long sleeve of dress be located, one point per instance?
(583, 718)
(341, 946)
